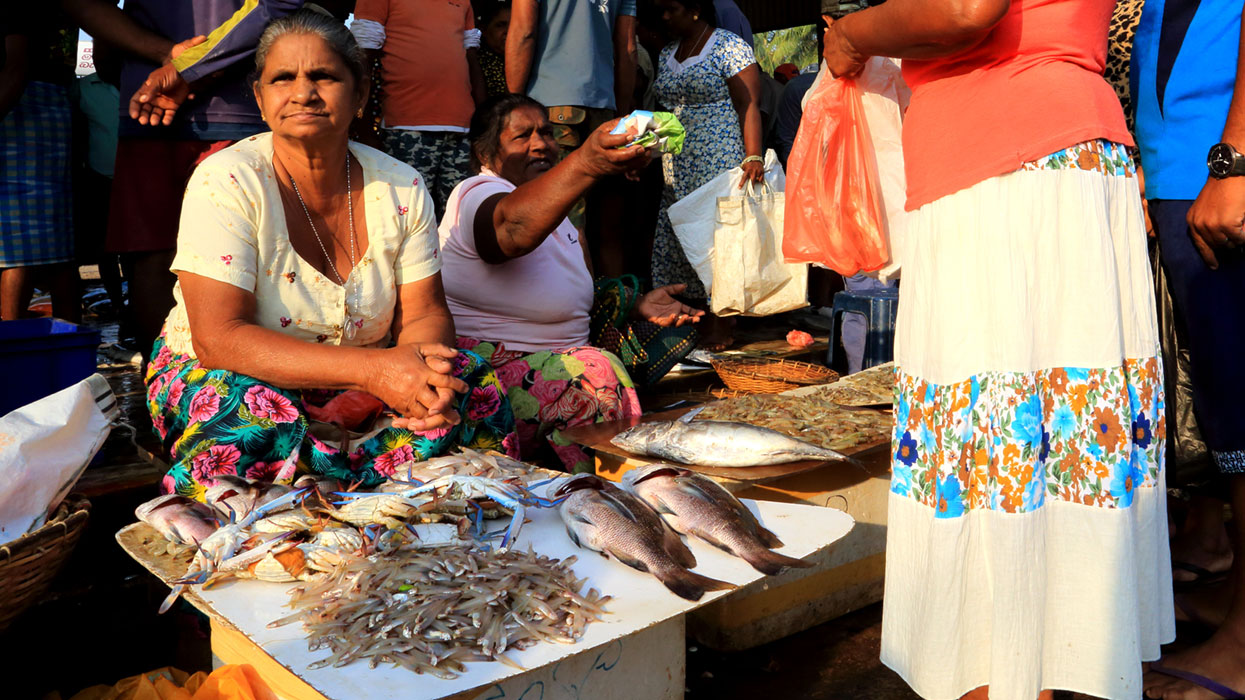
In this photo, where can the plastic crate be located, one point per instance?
(41, 356)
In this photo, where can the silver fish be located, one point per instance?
(714, 443)
(604, 518)
(180, 519)
(697, 505)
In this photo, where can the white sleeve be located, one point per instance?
(369, 34)
(471, 39)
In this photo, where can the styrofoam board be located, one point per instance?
(639, 602)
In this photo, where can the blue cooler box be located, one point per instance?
(41, 356)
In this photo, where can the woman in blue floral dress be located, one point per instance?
(709, 79)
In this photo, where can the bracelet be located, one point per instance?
(753, 159)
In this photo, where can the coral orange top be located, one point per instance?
(1032, 87)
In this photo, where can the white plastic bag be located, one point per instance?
(45, 446)
(751, 277)
(693, 216)
(884, 96)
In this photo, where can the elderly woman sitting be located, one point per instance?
(518, 282)
(308, 265)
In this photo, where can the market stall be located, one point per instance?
(848, 415)
(634, 651)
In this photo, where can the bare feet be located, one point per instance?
(1221, 659)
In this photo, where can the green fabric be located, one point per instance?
(647, 350)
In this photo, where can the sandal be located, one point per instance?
(1201, 577)
(1198, 680)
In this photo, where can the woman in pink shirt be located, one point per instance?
(1027, 529)
(519, 285)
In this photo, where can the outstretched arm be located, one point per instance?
(514, 224)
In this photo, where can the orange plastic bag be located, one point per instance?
(231, 682)
(834, 213)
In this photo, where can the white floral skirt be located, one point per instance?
(1027, 542)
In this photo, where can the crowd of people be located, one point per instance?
(424, 216)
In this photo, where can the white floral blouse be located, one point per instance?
(233, 230)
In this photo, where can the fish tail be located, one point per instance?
(689, 584)
(768, 562)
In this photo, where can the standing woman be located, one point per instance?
(1027, 530)
(710, 80)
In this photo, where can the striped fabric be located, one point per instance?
(36, 220)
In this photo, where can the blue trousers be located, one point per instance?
(1212, 303)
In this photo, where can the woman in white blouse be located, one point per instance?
(308, 265)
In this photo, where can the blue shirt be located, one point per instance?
(1183, 72)
(574, 59)
(733, 20)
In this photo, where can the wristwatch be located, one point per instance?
(1225, 161)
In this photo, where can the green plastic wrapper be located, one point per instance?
(660, 129)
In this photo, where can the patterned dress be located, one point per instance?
(696, 92)
(550, 390)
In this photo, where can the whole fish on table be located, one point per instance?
(696, 505)
(713, 443)
(179, 519)
(604, 518)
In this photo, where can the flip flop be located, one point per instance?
(1201, 577)
(1215, 687)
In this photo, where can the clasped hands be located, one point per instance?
(417, 381)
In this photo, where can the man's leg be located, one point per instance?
(1212, 303)
(16, 289)
(151, 294)
(65, 288)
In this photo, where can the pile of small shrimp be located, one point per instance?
(432, 611)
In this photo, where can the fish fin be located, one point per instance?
(769, 538)
(614, 502)
(687, 417)
(629, 560)
(570, 532)
(691, 585)
(768, 562)
(677, 548)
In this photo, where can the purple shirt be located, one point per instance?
(224, 107)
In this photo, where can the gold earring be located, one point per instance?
(695, 17)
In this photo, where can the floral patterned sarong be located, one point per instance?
(555, 389)
(215, 422)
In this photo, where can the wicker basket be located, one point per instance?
(771, 376)
(29, 563)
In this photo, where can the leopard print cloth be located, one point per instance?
(1120, 51)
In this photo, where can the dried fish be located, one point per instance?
(432, 611)
(810, 417)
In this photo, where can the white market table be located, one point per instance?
(636, 653)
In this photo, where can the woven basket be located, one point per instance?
(771, 376)
(29, 563)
